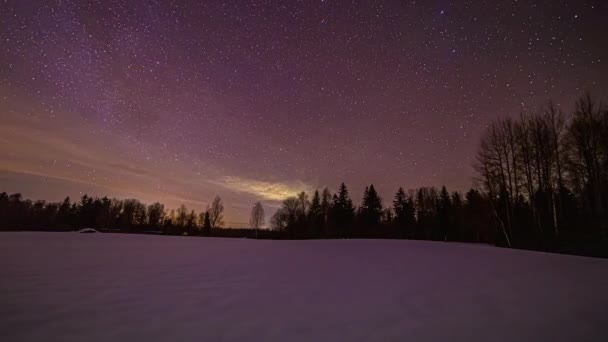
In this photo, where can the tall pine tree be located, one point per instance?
(344, 211)
(315, 216)
(443, 213)
(371, 208)
(404, 213)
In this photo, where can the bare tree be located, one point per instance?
(556, 125)
(216, 213)
(588, 157)
(286, 217)
(491, 168)
(525, 155)
(182, 215)
(257, 216)
(303, 202)
(292, 206)
(156, 213)
(279, 221)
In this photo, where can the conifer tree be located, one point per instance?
(315, 216)
(404, 213)
(443, 213)
(344, 211)
(371, 208)
(207, 223)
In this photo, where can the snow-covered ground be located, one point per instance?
(114, 287)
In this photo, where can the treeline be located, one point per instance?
(426, 213)
(129, 215)
(545, 175)
(542, 184)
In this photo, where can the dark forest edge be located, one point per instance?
(542, 185)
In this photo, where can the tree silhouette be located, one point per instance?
(326, 198)
(216, 211)
(370, 211)
(257, 216)
(191, 226)
(182, 216)
(280, 220)
(403, 209)
(206, 223)
(156, 213)
(444, 211)
(343, 212)
(316, 217)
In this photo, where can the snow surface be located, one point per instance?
(117, 287)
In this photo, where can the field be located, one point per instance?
(117, 287)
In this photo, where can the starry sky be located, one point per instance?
(177, 101)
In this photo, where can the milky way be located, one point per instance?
(255, 100)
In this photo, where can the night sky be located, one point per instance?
(177, 101)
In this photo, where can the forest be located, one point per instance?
(541, 183)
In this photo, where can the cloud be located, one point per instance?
(271, 191)
(71, 157)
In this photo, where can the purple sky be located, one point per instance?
(257, 100)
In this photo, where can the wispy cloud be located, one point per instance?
(72, 158)
(271, 191)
